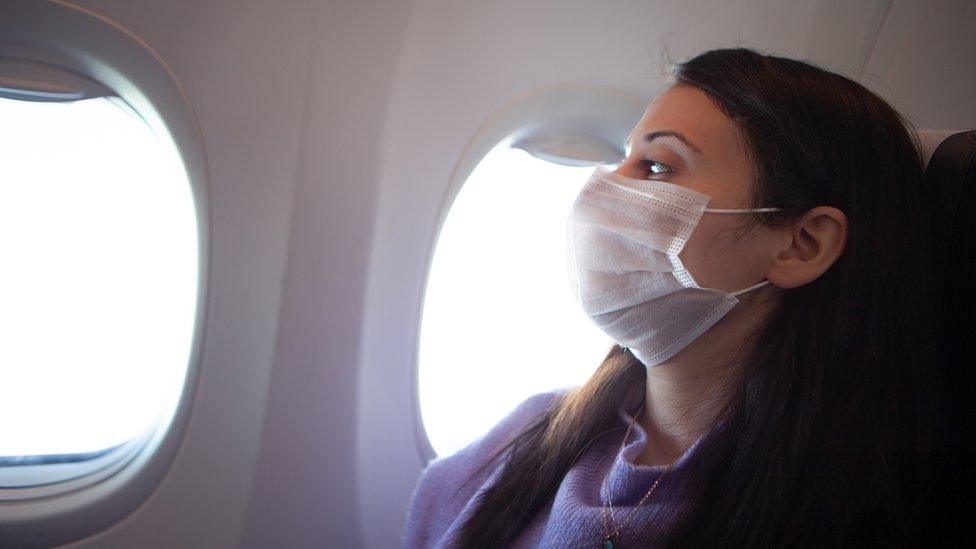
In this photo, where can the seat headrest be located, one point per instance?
(950, 175)
(931, 139)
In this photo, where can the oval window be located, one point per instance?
(499, 320)
(99, 286)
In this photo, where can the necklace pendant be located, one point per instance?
(610, 542)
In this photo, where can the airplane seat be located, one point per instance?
(950, 175)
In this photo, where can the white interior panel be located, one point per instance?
(924, 62)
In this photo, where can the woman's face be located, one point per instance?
(685, 139)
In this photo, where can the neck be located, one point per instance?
(687, 394)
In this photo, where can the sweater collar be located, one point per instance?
(627, 482)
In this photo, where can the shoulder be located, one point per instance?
(518, 418)
(437, 500)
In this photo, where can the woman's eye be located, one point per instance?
(654, 167)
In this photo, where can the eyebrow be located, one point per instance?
(669, 133)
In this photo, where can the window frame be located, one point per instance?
(80, 41)
(594, 113)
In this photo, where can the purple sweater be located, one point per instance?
(574, 517)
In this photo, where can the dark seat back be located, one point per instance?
(951, 177)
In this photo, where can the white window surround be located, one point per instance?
(600, 117)
(32, 81)
(575, 125)
(500, 271)
(103, 53)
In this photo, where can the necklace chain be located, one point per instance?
(614, 535)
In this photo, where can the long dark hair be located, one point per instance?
(831, 430)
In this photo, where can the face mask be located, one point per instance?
(624, 239)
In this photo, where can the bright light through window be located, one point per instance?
(98, 287)
(499, 322)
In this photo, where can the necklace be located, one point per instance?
(612, 540)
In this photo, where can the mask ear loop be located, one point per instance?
(738, 211)
(745, 210)
(750, 288)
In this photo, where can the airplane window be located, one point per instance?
(499, 321)
(99, 281)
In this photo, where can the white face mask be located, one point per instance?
(624, 239)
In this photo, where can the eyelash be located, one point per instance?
(649, 164)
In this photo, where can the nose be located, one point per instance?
(627, 169)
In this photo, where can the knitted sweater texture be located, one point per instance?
(575, 516)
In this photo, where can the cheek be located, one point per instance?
(694, 255)
(714, 255)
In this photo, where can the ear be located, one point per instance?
(812, 245)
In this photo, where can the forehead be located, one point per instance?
(690, 111)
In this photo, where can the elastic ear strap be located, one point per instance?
(745, 210)
(750, 288)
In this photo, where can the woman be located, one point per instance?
(761, 259)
